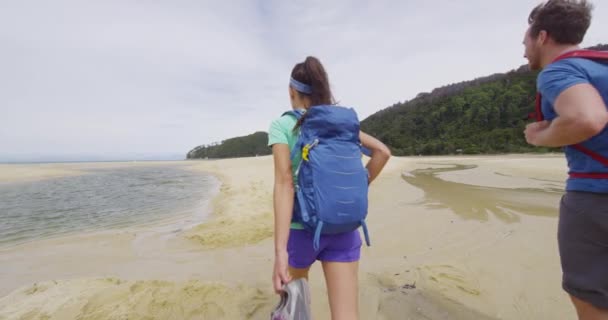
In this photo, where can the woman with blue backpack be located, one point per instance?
(321, 187)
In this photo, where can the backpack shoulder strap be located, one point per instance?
(587, 54)
(298, 113)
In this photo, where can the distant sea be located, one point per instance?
(101, 199)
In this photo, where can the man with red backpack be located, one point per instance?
(571, 113)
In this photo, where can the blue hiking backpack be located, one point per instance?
(331, 191)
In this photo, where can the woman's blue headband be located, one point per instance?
(299, 86)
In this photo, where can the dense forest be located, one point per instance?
(247, 146)
(486, 115)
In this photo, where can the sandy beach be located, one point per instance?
(452, 238)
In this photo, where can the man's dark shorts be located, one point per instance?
(583, 246)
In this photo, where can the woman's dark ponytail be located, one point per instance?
(311, 73)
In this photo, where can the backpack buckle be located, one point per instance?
(305, 151)
(307, 147)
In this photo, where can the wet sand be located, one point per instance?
(452, 238)
(10, 173)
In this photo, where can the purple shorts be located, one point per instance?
(343, 247)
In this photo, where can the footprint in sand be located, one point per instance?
(36, 288)
(257, 303)
(448, 277)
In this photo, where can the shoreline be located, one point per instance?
(200, 213)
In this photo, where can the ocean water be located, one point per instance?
(101, 199)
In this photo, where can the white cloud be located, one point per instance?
(118, 77)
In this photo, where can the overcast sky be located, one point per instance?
(121, 79)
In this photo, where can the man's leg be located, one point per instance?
(583, 246)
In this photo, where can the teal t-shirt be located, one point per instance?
(281, 131)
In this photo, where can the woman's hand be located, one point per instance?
(379, 157)
(280, 275)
